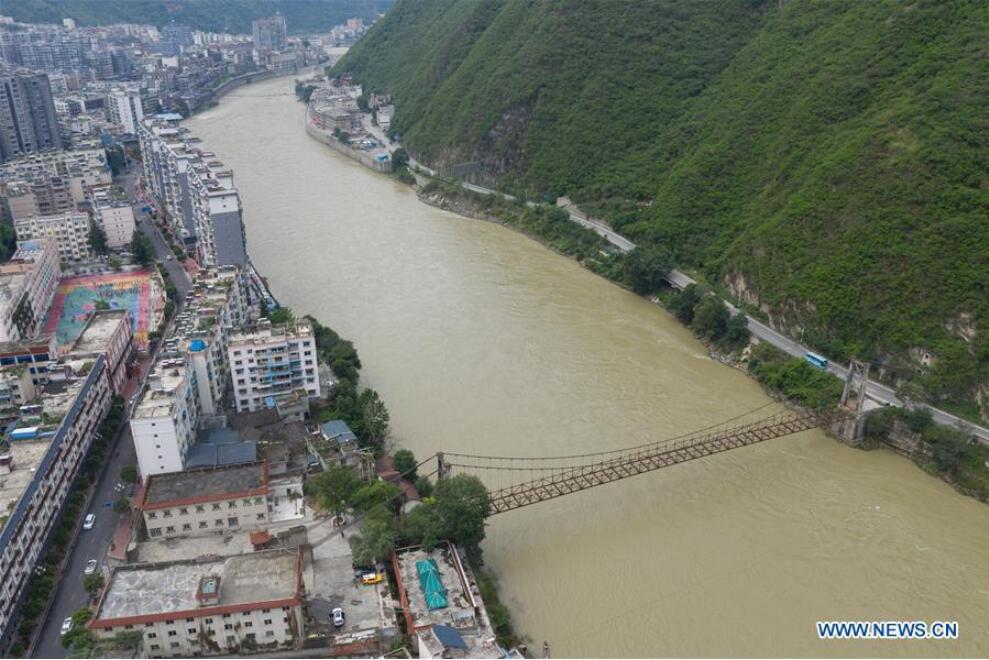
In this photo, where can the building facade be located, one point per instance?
(165, 419)
(27, 287)
(268, 362)
(68, 231)
(189, 608)
(124, 109)
(205, 501)
(35, 511)
(27, 115)
(270, 33)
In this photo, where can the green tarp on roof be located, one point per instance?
(432, 587)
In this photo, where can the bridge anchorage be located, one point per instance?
(548, 477)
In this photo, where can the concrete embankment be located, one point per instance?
(361, 157)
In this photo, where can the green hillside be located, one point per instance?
(824, 161)
(212, 15)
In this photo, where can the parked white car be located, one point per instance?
(67, 625)
(89, 521)
(338, 617)
(91, 567)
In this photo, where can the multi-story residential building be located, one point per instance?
(216, 303)
(51, 183)
(108, 333)
(114, 215)
(27, 114)
(124, 108)
(35, 354)
(68, 231)
(205, 501)
(196, 191)
(207, 606)
(27, 287)
(16, 388)
(268, 362)
(164, 421)
(270, 33)
(39, 464)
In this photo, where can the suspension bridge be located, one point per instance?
(525, 480)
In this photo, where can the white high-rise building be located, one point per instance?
(165, 420)
(124, 108)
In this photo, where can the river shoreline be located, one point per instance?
(484, 342)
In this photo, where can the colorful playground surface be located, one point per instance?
(77, 297)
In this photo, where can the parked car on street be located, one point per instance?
(89, 521)
(67, 625)
(90, 567)
(372, 578)
(338, 617)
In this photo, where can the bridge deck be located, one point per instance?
(648, 459)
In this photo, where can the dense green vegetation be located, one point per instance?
(941, 450)
(212, 15)
(824, 161)
(794, 378)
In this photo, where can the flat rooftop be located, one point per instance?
(164, 380)
(147, 591)
(24, 458)
(459, 614)
(204, 485)
(102, 325)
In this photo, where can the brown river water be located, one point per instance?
(480, 340)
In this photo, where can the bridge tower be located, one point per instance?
(858, 376)
(442, 469)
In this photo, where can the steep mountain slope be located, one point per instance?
(824, 161)
(216, 15)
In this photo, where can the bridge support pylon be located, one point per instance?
(442, 469)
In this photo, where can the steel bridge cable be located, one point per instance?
(609, 451)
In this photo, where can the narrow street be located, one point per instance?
(94, 544)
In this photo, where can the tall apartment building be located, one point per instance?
(270, 33)
(164, 421)
(216, 303)
(38, 468)
(196, 190)
(27, 288)
(270, 362)
(124, 108)
(207, 606)
(27, 115)
(68, 231)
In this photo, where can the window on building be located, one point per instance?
(208, 620)
(258, 500)
(154, 531)
(169, 530)
(155, 647)
(200, 508)
(218, 523)
(183, 511)
(267, 622)
(189, 620)
(152, 635)
(167, 513)
(191, 631)
(232, 522)
(172, 633)
(186, 527)
(174, 645)
(231, 504)
(269, 633)
(203, 524)
(152, 515)
(260, 516)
